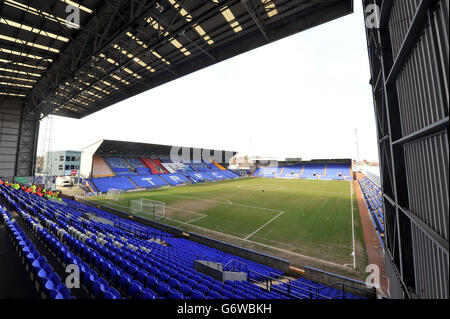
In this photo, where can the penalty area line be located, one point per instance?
(217, 201)
(195, 219)
(261, 244)
(264, 225)
(175, 208)
(314, 259)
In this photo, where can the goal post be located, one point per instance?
(148, 209)
(114, 194)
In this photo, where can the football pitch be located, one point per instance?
(309, 222)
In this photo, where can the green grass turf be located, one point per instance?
(316, 221)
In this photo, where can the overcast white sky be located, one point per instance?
(302, 96)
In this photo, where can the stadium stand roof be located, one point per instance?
(133, 149)
(120, 48)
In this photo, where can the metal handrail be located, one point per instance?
(232, 262)
(366, 293)
(305, 293)
(272, 273)
(205, 258)
(293, 283)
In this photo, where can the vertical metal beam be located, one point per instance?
(19, 137)
(407, 49)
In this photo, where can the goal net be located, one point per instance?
(147, 208)
(114, 194)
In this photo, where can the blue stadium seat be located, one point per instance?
(135, 289)
(148, 294)
(162, 290)
(195, 294)
(185, 289)
(124, 282)
(173, 283)
(152, 282)
(148, 181)
(166, 270)
(214, 295)
(175, 295)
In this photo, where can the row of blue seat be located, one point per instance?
(117, 182)
(127, 261)
(307, 288)
(146, 180)
(47, 282)
(334, 171)
(373, 197)
(374, 201)
(134, 274)
(181, 248)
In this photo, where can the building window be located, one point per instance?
(73, 159)
(61, 158)
(72, 166)
(67, 167)
(77, 159)
(67, 158)
(60, 167)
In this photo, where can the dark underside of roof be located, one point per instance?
(120, 48)
(112, 148)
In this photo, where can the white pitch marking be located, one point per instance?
(185, 210)
(189, 211)
(353, 225)
(261, 244)
(303, 190)
(176, 208)
(253, 242)
(228, 201)
(217, 201)
(195, 219)
(264, 225)
(260, 187)
(109, 203)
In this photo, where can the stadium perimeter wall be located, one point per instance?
(252, 255)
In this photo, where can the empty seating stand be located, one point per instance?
(337, 171)
(144, 172)
(175, 179)
(290, 171)
(267, 171)
(46, 281)
(118, 260)
(313, 170)
(200, 176)
(155, 168)
(117, 182)
(119, 166)
(138, 166)
(201, 167)
(374, 202)
(148, 181)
